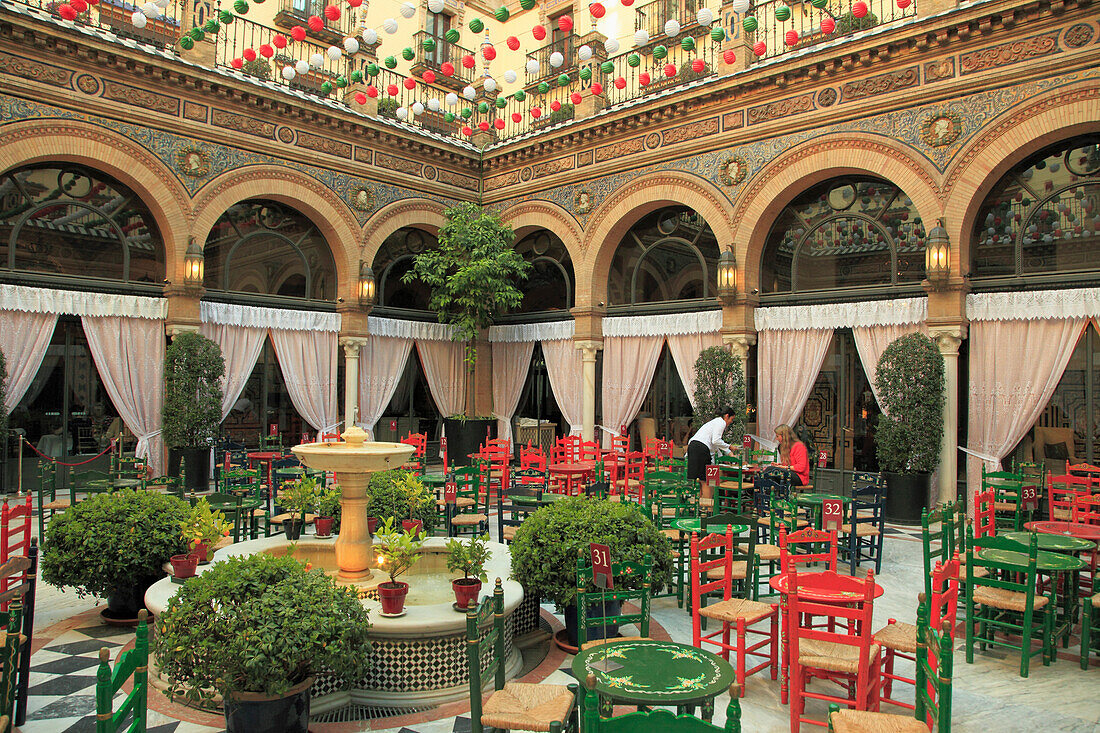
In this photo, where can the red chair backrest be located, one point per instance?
(532, 457)
(418, 441)
(1091, 473)
(1086, 509)
(847, 623)
(719, 552)
(984, 523)
(590, 450)
(15, 537)
(945, 593)
(1062, 493)
(620, 443)
(809, 537)
(330, 438)
(567, 449)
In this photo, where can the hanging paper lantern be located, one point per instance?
(452, 35)
(249, 55)
(435, 6)
(750, 24)
(565, 23)
(586, 73)
(408, 54)
(791, 37)
(531, 67)
(489, 84)
(544, 87)
(289, 73)
(782, 13)
(357, 76)
(563, 80)
(597, 10)
(672, 27)
(372, 69)
(641, 37)
(402, 114)
(729, 56)
(469, 92)
(620, 83)
(704, 17)
(266, 51)
(334, 52)
(512, 42)
(409, 83)
(697, 65)
(225, 17)
(499, 124)
(717, 34)
(139, 20)
(370, 36)
(198, 34)
(316, 60)
(429, 77)
(828, 25)
(759, 48)
(468, 62)
(476, 25)
(186, 43)
(611, 45)
(687, 43)
(643, 78)
(527, 4)
(360, 98)
(536, 112)
(451, 100)
(447, 68)
(555, 106)
(597, 89)
(659, 52)
(517, 117)
(742, 6)
(575, 98)
(520, 95)
(389, 25)
(627, 3)
(584, 52)
(501, 14)
(351, 45)
(332, 12)
(279, 41)
(235, 63)
(428, 44)
(538, 32)
(467, 113)
(483, 126)
(510, 77)
(634, 60)
(315, 23)
(434, 105)
(301, 66)
(607, 67)
(670, 70)
(392, 90)
(408, 10)
(417, 108)
(859, 9)
(903, 4)
(467, 131)
(488, 52)
(556, 59)
(326, 88)
(79, 6)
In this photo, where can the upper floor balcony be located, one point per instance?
(442, 52)
(298, 12)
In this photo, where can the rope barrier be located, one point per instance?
(102, 453)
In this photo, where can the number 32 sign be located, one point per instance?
(831, 514)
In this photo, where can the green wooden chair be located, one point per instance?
(944, 516)
(1090, 628)
(17, 603)
(656, 721)
(471, 515)
(1005, 599)
(933, 688)
(130, 715)
(782, 517)
(511, 705)
(1007, 500)
(516, 502)
(48, 501)
(762, 456)
(271, 443)
(671, 497)
(10, 664)
(632, 581)
(166, 485)
(89, 482)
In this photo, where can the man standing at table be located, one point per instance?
(705, 445)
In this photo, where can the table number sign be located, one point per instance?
(305, 438)
(393, 426)
(443, 444)
(622, 430)
(822, 456)
(601, 566)
(226, 466)
(712, 474)
(831, 514)
(450, 492)
(746, 442)
(273, 429)
(1029, 495)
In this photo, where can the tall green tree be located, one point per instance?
(910, 384)
(719, 383)
(193, 366)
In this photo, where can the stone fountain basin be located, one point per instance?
(369, 457)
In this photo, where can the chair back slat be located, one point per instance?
(485, 653)
(944, 600)
(807, 547)
(132, 662)
(632, 581)
(1062, 493)
(985, 524)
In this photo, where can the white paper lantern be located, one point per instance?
(351, 45)
(436, 6)
(641, 37)
(672, 27)
(417, 108)
(162, 4)
(151, 10)
(138, 19)
(510, 77)
(532, 67)
(408, 10)
(389, 25)
(469, 92)
(611, 45)
(334, 53)
(556, 59)
(402, 113)
(704, 17)
(302, 67)
(370, 36)
(289, 73)
(584, 53)
(741, 6)
(451, 99)
(434, 105)
(317, 61)
(490, 84)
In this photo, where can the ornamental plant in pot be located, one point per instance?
(544, 551)
(719, 383)
(297, 498)
(114, 545)
(399, 495)
(397, 552)
(210, 645)
(472, 275)
(328, 511)
(468, 558)
(202, 529)
(909, 380)
(192, 412)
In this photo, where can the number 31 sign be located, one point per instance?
(601, 566)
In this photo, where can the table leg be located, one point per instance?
(707, 711)
(783, 631)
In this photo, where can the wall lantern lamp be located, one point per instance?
(727, 276)
(366, 284)
(195, 264)
(937, 265)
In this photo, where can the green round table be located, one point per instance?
(649, 672)
(1045, 561)
(548, 497)
(814, 502)
(1052, 542)
(696, 525)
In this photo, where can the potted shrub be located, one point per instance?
(910, 384)
(203, 528)
(472, 275)
(544, 551)
(209, 642)
(468, 558)
(398, 552)
(401, 496)
(328, 511)
(192, 412)
(719, 382)
(297, 498)
(114, 545)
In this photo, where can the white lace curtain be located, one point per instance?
(445, 369)
(129, 354)
(565, 370)
(787, 366)
(381, 363)
(685, 350)
(308, 362)
(511, 361)
(871, 341)
(24, 338)
(241, 346)
(628, 366)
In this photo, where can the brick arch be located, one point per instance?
(620, 211)
(527, 216)
(416, 212)
(1007, 140)
(73, 141)
(305, 194)
(810, 163)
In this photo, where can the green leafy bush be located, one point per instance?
(259, 624)
(719, 383)
(910, 384)
(398, 549)
(114, 541)
(468, 558)
(546, 546)
(401, 495)
(192, 411)
(328, 502)
(849, 23)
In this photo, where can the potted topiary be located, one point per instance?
(472, 275)
(544, 551)
(254, 631)
(328, 511)
(297, 498)
(468, 558)
(910, 384)
(398, 552)
(114, 545)
(719, 383)
(203, 528)
(401, 496)
(192, 412)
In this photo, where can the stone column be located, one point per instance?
(588, 363)
(351, 378)
(948, 339)
(739, 345)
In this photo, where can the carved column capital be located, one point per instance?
(588, 350)
(175, 329)
(948, 338)
(739, 343)
(351, 345)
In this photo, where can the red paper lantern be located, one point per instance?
(643, 78)
(729, 56)
(488, 52)
(66, 11)
(483, 126)
(79, 5)
(565, 23)
(597, 88)
(298, 33)
(372, 92)
(332, 12)
(859, 9)
(538, 32)
(447, 68)
(760, 48)
(279, 41)
(670, 70)
(597, 10)
(791, 37)
(513, 43)
(267, 51)
(410, 83)
(468, 61)
(555, 106)
(697, 65)
(517, 117)
(828, 25)
(360, 98)
(355, 3)
(315, 23)
(627, 3)
(575, 98)
(392, 90)
(536, 112)
(620, 83)
(236, 63)
(903, 4)
(467, 131)
(499, 124)
(429, 77)
(249, 54)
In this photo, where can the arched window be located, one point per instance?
(263, 247)
(1043, 216)
(394, 259)
(843, 233)
(670, 254)
(550, 283)
(70, 220)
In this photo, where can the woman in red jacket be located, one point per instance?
(793, 454)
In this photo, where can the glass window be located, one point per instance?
(845, 232)
(394, 259)
(71, 220)
(1042, 216)
(264, 247)
(670, 254)
(550, 283)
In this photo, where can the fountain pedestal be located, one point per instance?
(353, 545)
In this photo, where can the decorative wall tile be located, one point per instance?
(690, 131)
(234, 121)
(1005, 54)
(35, 70)
(141, 98)
(781, 108)
(323, 144)
(881, 84)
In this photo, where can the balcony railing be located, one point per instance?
(806, 22)
(566, 46)
(652, 16)
(298, 12)
(116, 16)
(243, 34)
(444, 52)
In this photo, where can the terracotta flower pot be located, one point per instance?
(183, 566)
(323, 526)
(466, 590)
(372, 524)
(201, 550)
(392, 596)
(416, 526)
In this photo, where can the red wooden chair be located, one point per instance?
(984, 510)
(1062, 493)
(420, 442)
(1086, 471)
(620, 443)
(629, 483)
(831, 641)
(806, 547)
(496, 455)
(567, 449)
(1086, 509)
(715, 574)
(590, 450)
(532, 457)
(330, 438)
(15, 539)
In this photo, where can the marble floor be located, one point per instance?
(988, 695)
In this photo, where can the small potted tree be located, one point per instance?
(719, 383)
(203, 528)
(398, 552)
(192, 412)
(298, 498)
(328, 511)
(910, 384)
(401, 496)
(208, 644)
(472, 275)
(468, 558)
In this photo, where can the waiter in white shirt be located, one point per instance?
(705, 445)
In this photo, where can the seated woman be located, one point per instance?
(793, 455)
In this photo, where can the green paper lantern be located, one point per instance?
(749, 24)
(186, 43)
(501, 14)
(476, 25)
(717, 34)
(687, 43)
(467, 113)
(483, 107)
(501, 102)
(563, 80)
(259, 2)
(782, 13)
(819, 4)
(240, 7)
(373, 70)
(543, 87)
(659, 52)
(429, 43)
(390, 62)
(452, 35)
(326, 88)
(408, 54)
(520, 95)
(634, 60)
(225, 17)
(341, 82)
(607, 67)
(197, 34)
(357, 76)
(586, 73)
(211, 26)
(527, 4)
(449, 116)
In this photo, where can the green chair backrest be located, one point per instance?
(763, 456)
(783, 513)
(934, 670)
(944, 515)
(10, 658)
(489, 613)
(632, 581)
(109, 681)
(657, 721)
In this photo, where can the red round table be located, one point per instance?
(571, 472)
(264, 457)
(1079, 530)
